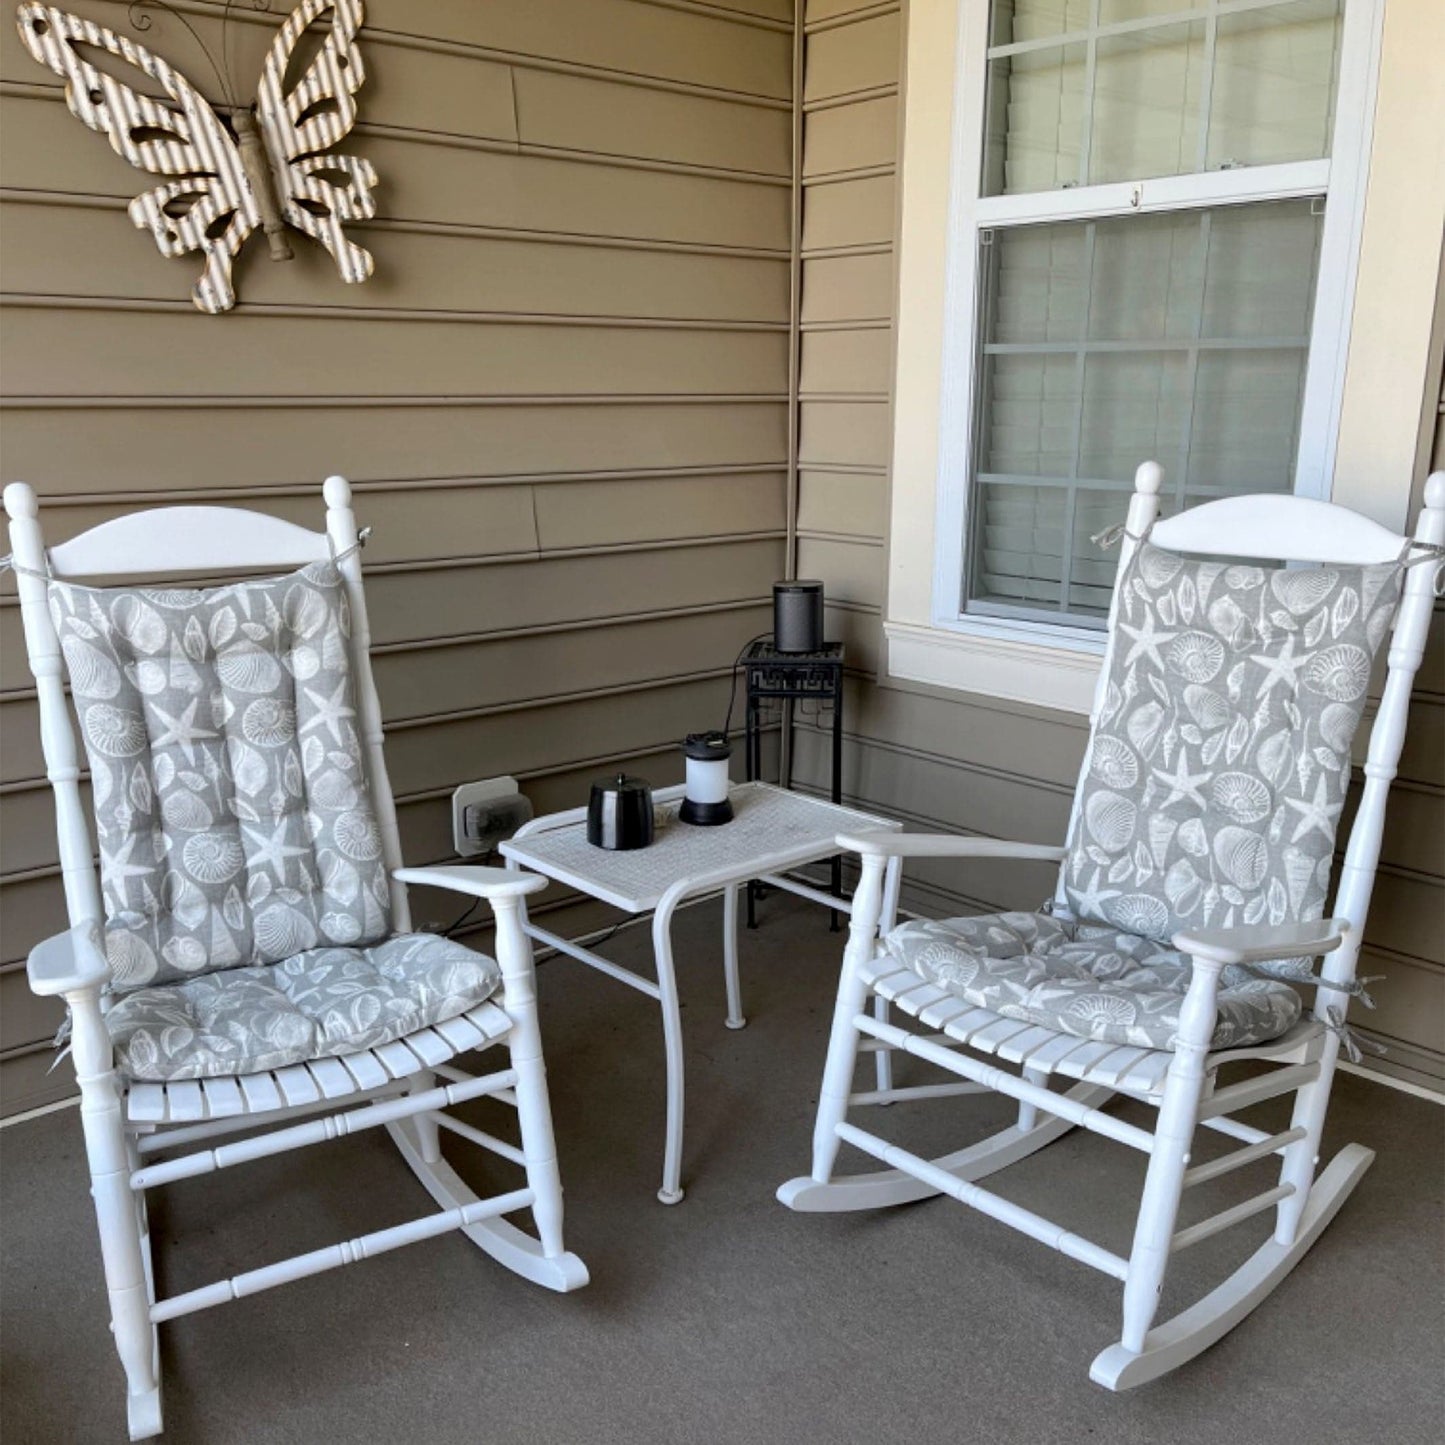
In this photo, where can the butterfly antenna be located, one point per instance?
(140, 20)
(259, 5)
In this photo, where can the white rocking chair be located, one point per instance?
(1088, 990)
(246, 957)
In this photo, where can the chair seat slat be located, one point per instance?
(398, 1059)
(261, 1093)
(224, 1099)
(1048, 1055)
(1018, 1047)
(364, 1068)
(186, 1104)
(296, 1085)
(988, 1039)
(146, 1104)
(461, 1033)
(429, 1046)
(331, 1078)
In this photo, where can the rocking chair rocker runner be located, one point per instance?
(245, 958)
(1192, 884)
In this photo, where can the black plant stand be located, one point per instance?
(792, 677)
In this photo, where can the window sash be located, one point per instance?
(1341, 177)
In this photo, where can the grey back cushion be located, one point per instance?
(1216, 773)
(231, 800)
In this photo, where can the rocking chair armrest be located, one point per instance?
(1255, 944)
(69, 962)
(944, 845)
(478, 882)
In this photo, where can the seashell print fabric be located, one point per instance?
(1216, 774)
(319, 1004)
(231, 804)
(1086, 980)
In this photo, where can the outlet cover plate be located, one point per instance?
(477, 792)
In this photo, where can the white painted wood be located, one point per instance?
(1181, 1084)
(1296, 529)
(123, 1120)
(213, 540)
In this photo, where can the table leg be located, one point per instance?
(735, 1019)
(671, 1191)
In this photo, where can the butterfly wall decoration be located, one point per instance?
(229, 169)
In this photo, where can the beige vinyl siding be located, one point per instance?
(946, 761)
(562, 399)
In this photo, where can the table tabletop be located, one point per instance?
(771, 829)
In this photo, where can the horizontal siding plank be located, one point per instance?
(598, 513)
(850, 502)
(849, 213)
(571, 113)
(848, 361)
(114, 451)
(49, 251)
(616, 35)
(447, 184)
(851, 571)
(73, 354)
(851, 137)
(845, 433)
(848, 288)
(852, 57)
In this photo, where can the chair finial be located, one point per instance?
(20, 500)
(1149, 478)
(1434, 491)
(337, 491)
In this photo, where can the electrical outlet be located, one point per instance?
(473, 806)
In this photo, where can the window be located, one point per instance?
(1154, 223)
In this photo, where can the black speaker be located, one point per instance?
(798, 616)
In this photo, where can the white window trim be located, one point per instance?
(1054, 665)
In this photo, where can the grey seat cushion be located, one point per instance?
(232, 807)
(1092, 981)
(318, 1004)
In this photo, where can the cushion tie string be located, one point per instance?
(1354, 1046)
(9, 564)
(355, 547)
(1417, 552)
(1116, 533)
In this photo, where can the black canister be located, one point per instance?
(619, 815)
(798, 616)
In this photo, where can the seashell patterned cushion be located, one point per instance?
(1216, 773)
(231, 804)
(1083, 979)
(319, 1004)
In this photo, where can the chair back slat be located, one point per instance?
(187, 539)
(1279, 528)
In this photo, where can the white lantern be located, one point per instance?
(706, 803)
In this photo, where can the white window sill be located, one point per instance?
(983, 659)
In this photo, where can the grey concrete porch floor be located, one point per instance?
(726, 1320)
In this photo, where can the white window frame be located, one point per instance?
(989, 647)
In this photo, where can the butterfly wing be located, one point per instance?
(319, 192)
(208, 206)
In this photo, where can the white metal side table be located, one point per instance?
(772, 830)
